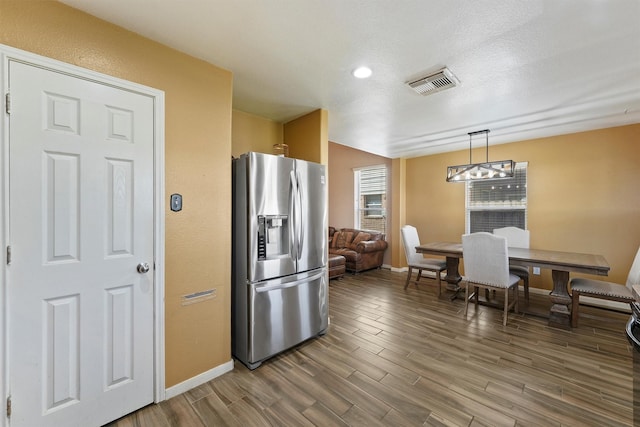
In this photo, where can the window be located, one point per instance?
(370, 187)
(373, 206)
(497, 203)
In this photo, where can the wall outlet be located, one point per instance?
(536, 270)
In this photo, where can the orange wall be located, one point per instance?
(583, 195)
(254, 133)
(398, 211)
(307, 137)
(343, 160)
(198, 152)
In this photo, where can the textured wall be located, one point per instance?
(342, 161)
(254, 133)
(307, 137)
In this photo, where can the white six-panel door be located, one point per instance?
(81, 220)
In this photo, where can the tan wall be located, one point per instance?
(307, 137)
(343, 160)
(254, 133)
(198, 152)
(582, 195)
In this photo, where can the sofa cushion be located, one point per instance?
(341, 239)
(348, 254)
(374, 235)
(360, 237)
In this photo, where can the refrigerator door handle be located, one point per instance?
(300, 216)
(293, 245)
(284, 285)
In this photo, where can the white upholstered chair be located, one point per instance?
(417, 261)
(517, 238)
(486, 265)
(604, 290)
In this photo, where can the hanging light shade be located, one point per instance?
(481, 171)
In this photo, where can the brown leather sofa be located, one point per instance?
(362, 249)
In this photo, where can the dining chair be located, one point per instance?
(517, 238)
(486, 265)
(604, 290)
(416, 261)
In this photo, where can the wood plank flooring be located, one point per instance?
(406, 358)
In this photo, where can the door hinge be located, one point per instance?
(7, 103)
(8, 255)
(8, 406)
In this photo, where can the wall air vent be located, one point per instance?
(441, 80)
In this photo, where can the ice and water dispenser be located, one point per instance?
(273, 236)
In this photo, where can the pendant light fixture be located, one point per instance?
(481, 171)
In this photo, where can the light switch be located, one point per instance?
(176, 202)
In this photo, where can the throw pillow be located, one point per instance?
(334, 240)
(349, 238)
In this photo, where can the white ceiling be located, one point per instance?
(528, 69)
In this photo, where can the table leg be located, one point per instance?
(560, 315)
(453, 276)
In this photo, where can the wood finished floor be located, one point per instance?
(406, 358)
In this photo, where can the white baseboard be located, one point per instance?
(198, 380)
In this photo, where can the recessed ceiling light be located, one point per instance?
(362, 72)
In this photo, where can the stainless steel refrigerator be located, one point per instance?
(279, 268)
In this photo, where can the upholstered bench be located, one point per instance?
(337, 266)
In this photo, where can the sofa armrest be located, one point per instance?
(371, 246)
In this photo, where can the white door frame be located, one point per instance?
(6, 54)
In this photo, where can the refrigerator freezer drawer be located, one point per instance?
(285, 312)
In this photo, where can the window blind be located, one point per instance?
(370, 198)
(373, 180)
(497, 203)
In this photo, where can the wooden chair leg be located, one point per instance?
(466, 300)
(419, 275)
(575, 302)
(526, 289)
(408, 278)
(439, 282)
(506, 306)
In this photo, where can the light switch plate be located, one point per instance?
(176, 202)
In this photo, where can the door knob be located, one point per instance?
(143, 267)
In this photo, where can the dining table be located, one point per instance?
(560, 264)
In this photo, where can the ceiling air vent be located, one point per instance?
(441, 80)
